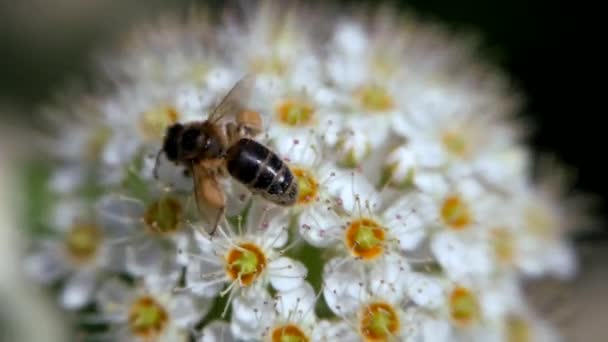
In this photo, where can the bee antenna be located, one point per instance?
(156, 161)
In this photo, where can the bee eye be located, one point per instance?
(189, 139)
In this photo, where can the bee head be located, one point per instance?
(171, 142)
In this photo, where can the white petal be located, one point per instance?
(335, 330)
(387, 278)
(78, 290)
(66, 212)
(145, 257)
(48, 264)
(253, 310)
(437, 331)
(195, 281)
(460, 258)
(297, 304)
(319, 226)
(403, 160)
(186, 311)
(286, 274)
(352, 190)
(66, 179)
(217, 331)
(431, 182)
(351, 39)
(407, 219)
(344, 288)
(424, 290)
(114, 296)
(119, 215)
(561, 261)
(299, 149)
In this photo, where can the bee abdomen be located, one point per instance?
(254, 165)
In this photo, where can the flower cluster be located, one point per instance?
(417, 216)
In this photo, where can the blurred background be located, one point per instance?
(547, 47)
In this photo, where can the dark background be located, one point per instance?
(546, 46)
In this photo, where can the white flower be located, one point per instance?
(360, 225)
(151, 231)
(248, 258)
(456, 220)
(78, 252)
(145, 314)
(372, 301)
(289, 315)
(416, 202)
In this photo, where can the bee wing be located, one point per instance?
(207, 192)
(235, 100)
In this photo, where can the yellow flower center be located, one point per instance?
(365, 238)
(378, 321)
(375, 98)
(308, 186)
(455, 144)
(147, 318)
(154, 122)
(82, 242)
(456, 213)
(518, 330)
(503, 245)
(295, 113)
(288, 333)
(246, 262)
(464, 308)
(163, 217)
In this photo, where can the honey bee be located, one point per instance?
(224, 144)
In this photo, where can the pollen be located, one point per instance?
(288, 333)
(154, 122)
(455, 144)
(502, 242)
(147, 318)
(308, 187)
(163, 217)
(375, 98)
(245, 263)
(464, 309)
(456, 213)
(295, 113)
(378, 321)
(82, 242)
(365, 239)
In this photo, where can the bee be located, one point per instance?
(224, 144)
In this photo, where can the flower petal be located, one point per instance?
(217, 331)
(286, 274)
(78, 289)
(297, 304)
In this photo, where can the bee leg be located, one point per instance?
(212, 193)
(220, 213)
(156, 161)
(249, 123)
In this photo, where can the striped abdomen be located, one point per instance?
(262, 171)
